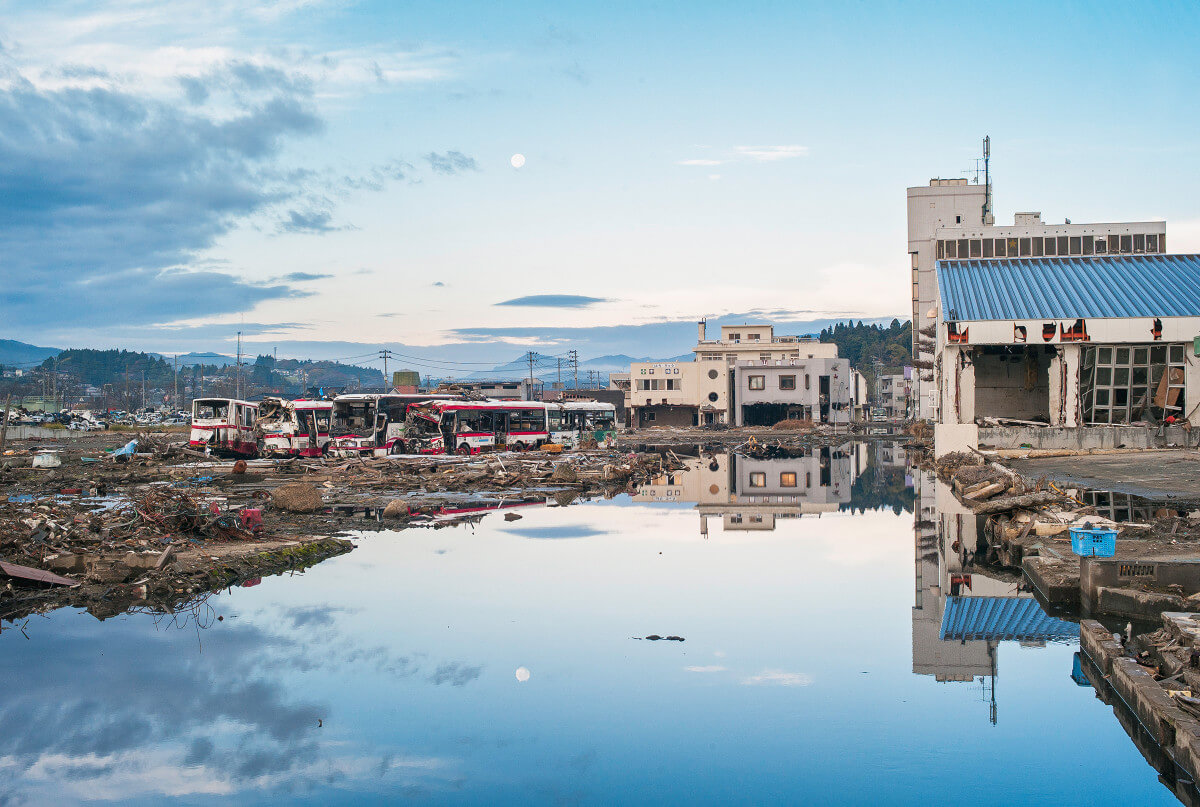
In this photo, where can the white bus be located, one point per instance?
(293, 428)
(373, 424)
(577, 424)
(469, 427)
(224, 426)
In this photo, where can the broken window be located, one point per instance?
(963, 249)
(757, 382)
(758, 479)
(951, 249)
(941, 250)
(1139, 243)
(1130, 383)
(1089, 244)
(1101, 246)
(1152, 242)
(787, 479)
(1126, 244)
(787, 382)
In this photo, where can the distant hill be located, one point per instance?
(21, 354)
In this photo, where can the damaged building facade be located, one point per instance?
(820, 390)
(952, 219)
(1065, 352)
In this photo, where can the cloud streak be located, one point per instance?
(554, 301)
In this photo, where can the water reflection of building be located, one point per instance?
(751, 494)
(960, 615)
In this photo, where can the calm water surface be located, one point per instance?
(497, 664)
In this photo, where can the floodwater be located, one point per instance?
(498, 663)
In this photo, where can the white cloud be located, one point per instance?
(778, 678)
(711, 668)
(771, 153)
(699, 162)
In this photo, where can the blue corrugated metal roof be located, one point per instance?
(1019, 618)
(1070, 288)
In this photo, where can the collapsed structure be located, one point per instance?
(1078, 344)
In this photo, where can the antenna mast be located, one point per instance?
(987, 181)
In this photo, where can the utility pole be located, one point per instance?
(4, 425)
(385, 354)
(560, 374)
(175, 397)
(529, 356)
(54, 386)
(574, 354)
(238, 372)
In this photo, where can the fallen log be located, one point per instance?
(1034, 499)
(987, 491)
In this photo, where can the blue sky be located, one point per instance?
(321, 173)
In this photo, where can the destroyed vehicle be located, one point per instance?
(471, 427)
(575, 424)
(372, 424)
(293, 428)
(224, 426)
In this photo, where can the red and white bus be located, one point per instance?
(469, 427)
(373, 424)
(291, 428)
(224, 426)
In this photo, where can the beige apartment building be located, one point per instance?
(701, 392)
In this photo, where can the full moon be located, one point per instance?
(522, 673)
(517, 160)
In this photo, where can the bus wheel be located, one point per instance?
(464, 450)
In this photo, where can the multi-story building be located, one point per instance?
(701, 392)
(821, 390)
(891, 393)
(952, 219)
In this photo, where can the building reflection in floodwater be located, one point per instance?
(753, 494)
(962, 612)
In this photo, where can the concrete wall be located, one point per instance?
(1083, 437)
(677, 416)
(1001, 383)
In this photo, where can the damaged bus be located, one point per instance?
(291, 428)
(372, 423)
(469, 427)
(582, 424)
(224, 426)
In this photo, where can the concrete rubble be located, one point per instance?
(1026, 527)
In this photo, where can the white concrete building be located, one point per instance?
(701, 392)
(951, 219)
(821, 390)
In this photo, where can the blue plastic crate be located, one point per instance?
(1093, 543)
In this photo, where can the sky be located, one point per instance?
(331, 176)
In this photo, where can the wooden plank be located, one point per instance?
(36, 575)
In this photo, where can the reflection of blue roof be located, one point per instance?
(1019, 618)
(1070, 288)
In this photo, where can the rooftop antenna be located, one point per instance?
(987, 181)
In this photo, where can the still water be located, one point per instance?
(497, 663)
